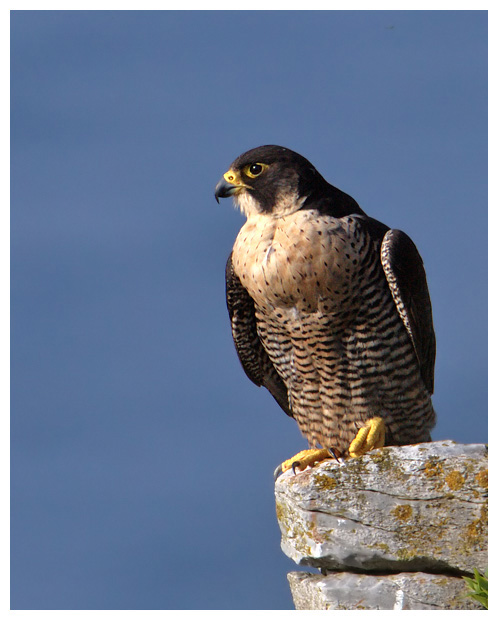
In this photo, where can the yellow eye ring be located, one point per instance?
(254, 170)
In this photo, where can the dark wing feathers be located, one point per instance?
(406, 277)
(405, 274)
(253, 357)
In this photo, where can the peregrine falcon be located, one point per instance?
(329, 309)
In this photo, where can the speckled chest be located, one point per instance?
(299, 260)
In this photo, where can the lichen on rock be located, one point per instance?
(420, 508)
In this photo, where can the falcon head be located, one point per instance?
(275, 181)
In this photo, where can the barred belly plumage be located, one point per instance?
(337, 340)
(329, 309)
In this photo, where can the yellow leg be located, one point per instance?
(370, 436)
(302, 460)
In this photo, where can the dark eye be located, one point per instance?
(254, 170)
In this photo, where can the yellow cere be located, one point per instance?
(232, 177)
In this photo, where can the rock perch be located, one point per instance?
(394, 529)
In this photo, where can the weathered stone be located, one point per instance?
(409, 508)
(363, 591)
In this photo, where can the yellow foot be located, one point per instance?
(301, 460)
(370, 436)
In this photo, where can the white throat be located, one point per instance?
(285, 204)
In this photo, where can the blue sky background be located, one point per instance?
(142, 456)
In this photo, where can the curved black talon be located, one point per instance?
(278, 472)
(331, 451)
(294, 465)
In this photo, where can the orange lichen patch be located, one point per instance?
(455, 480)
(482, 478)
(432, 469)
(476, 532)
(402, 512)
(325, 482)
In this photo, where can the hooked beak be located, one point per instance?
(230, 184)
(224, 189)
